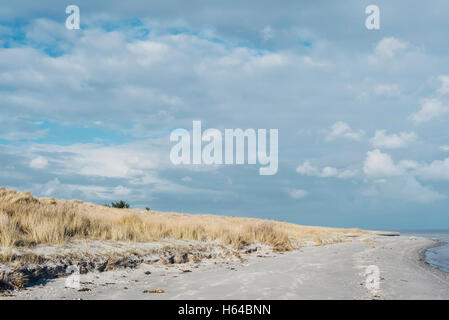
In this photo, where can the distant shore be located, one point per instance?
(336, 271)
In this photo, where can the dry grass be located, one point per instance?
(26, 221)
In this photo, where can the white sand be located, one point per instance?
(329, 272)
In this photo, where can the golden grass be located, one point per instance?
(27, 221)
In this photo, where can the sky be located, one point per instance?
(362, 114)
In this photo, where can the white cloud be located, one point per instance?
(120, 161)
(306, 169)
(382, 140)
(414, 191)
(18, 135)
(15, 129)
(430, 108)
(135, 165)
(329, 172)
(405, 188)
(379, 165)
(342, 129)
(436, 170)
(348, 174)
(39, 163)
(54, 188)
(149, 52)
(408, 165)
(122, 191)
(444, 89)
(50, 187)
(398, 181)
(387, 90)
(297, 193)
(187, 179)
(314, 62)
(269, 60)
(444, 148)
(388, 47)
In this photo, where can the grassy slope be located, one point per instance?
(26, 221)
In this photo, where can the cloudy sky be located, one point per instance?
(362, 114)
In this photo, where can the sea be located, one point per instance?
(437, 257)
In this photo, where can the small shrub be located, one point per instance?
(120, 204)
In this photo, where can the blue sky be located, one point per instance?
(362, 115)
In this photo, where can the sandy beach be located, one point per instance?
(336, 271)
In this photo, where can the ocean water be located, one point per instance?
(437, 257)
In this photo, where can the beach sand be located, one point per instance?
(336, 271)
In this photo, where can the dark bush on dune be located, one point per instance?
(119, 204)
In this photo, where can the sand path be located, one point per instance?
(336, 271)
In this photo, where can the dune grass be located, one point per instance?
(26, 221)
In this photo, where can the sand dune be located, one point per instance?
(28, 221)
(41, 238)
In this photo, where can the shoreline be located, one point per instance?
(422, 280)
(424, 263)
